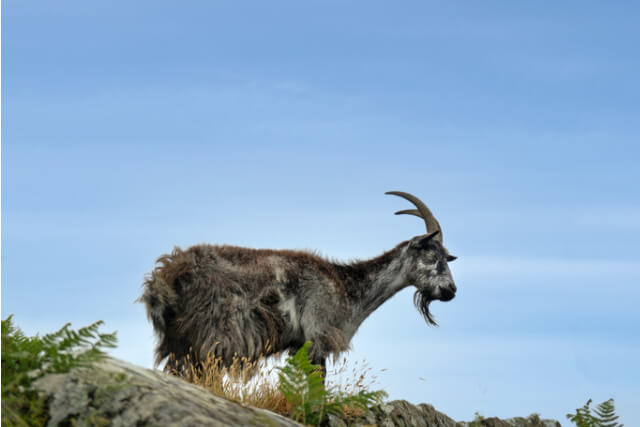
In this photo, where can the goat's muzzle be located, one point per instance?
(447, 294)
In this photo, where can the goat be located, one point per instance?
(232, 301)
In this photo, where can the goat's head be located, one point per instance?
(427, 260)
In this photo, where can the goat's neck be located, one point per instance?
(372, 282)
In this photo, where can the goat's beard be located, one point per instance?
(422, 300)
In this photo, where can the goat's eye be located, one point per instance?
(451, 258)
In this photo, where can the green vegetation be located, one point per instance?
(297, 391)
(301, 383)
(25, 359)
(604, 415)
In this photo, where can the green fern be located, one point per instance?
(604, 415)
(302, 384)
(25, 359)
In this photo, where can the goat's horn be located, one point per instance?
(415, 212)
(423, 212)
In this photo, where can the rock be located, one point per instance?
(400, 413)
(116, 393)
(532, 420)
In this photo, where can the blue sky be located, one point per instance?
(128, 128)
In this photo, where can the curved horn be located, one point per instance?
(415, 212)
(423, 212)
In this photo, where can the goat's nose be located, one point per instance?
(453, 287)
(447, 294)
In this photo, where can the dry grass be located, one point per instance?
(343, 379)
(255, 383)
(360, 377)
(243, 381)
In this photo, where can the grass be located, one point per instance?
(247, 382)
(294, 390)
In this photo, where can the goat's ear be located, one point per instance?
(432, 235)
(424, 241)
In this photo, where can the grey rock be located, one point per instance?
(532, 420)
(400, 413)
(116, 393)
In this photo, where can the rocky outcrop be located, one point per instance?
(532, 420)
(116, 393)
(398, 413)
(402, 413)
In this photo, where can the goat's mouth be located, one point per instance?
(446, 294)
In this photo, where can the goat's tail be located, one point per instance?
(160, 298)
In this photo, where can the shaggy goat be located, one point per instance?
(227, 300)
